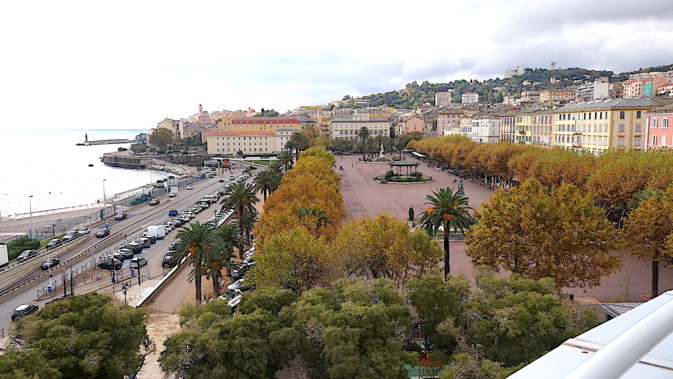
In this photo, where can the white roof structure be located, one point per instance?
(637, 344)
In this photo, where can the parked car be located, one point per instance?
(126, 253)
(176, 222)
(236, 285)
(170, 259)
(83, 230)
(117, 255)
(24, 310)
(173, 194)
(26, 254)
(54, 243)
(110, 263)
(174, 244)
(154, 202)
(135, 247)
(172, 213)
(144, 242)
(121, 216)
(70, 236)
(190, 187)
(49, 263)
(137, 262)
(103, 233)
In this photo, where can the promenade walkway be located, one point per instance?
(365, 197)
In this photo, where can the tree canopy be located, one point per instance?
(161, 138)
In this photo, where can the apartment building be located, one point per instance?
(443, 99)
(562, 95)
(264, 124)
(349, 126)
(448, 123)
(659, 134)
(524, 127)
(542, 128)
(485, 129)
(470, 98)
(413, 124)
(508, 127)
(599, 125)
(249, 142)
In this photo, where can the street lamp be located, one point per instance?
(30, 208)
(125, 287)
(104, 201)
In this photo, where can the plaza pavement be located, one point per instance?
(365, 197)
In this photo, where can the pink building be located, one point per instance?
(413, 124)
(659, 134)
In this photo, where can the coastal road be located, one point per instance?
(121, 232)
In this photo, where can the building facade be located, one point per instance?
(414, 124)
(542, 132)
(486, 130)
(443, 99)
(659, 127)
(470, 98)
(345, 127)
(448, 123)
(599, 125)
(248, 142)
(264, 124)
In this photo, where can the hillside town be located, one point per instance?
(584, 116)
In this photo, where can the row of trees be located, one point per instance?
(612, 179)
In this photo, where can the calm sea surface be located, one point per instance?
(48, 165)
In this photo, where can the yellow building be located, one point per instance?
(248, 142)
(524, 127)
(263, 124)
(599, 125)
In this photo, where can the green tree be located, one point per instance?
(196, 242)
(447, 209)
(363, 134)
(161, 138)
(647, 230)
(530, 231)
(266, 182)
(84, 336)
(285, 157)
(240, 197)
(469, 366)
(226, 239)
(255, 343)
(247, 222)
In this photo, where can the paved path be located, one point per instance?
(365, 197)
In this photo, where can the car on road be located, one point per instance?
(121, 216)
(71, 235)
(110, 263)
(172, 212)
(173, 194)
(24, 310)
(222, 180)
(144, 242)
(154, 202)
(83, 230)
(126, 253)
(170, 259)
(190, 187)
(138, 262)
(49, 263)
(135, 247)
(103, 233)
(26, 254)
(54, 243)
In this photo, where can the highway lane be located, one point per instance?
(139, 218)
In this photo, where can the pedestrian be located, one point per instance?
(352, 164)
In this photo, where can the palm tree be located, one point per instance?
(226, 239)
(276, 168)
(239, 197)
(285, 157)
(196, 241)
(447, 209)
(319, 214)
(246, 222)
(266, 182)
(364, 135)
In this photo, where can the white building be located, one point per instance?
(249, 142)
(443, 99)
(470, 98)
(485, 130)
(349, 126)
(518, 71)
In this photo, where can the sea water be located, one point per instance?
(48, 165)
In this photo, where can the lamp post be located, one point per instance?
(30, 209)
(104, 201)
(125, 287)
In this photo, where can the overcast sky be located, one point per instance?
(129, 64)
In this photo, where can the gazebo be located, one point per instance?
(399, 164)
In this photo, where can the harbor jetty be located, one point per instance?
(104, 141)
